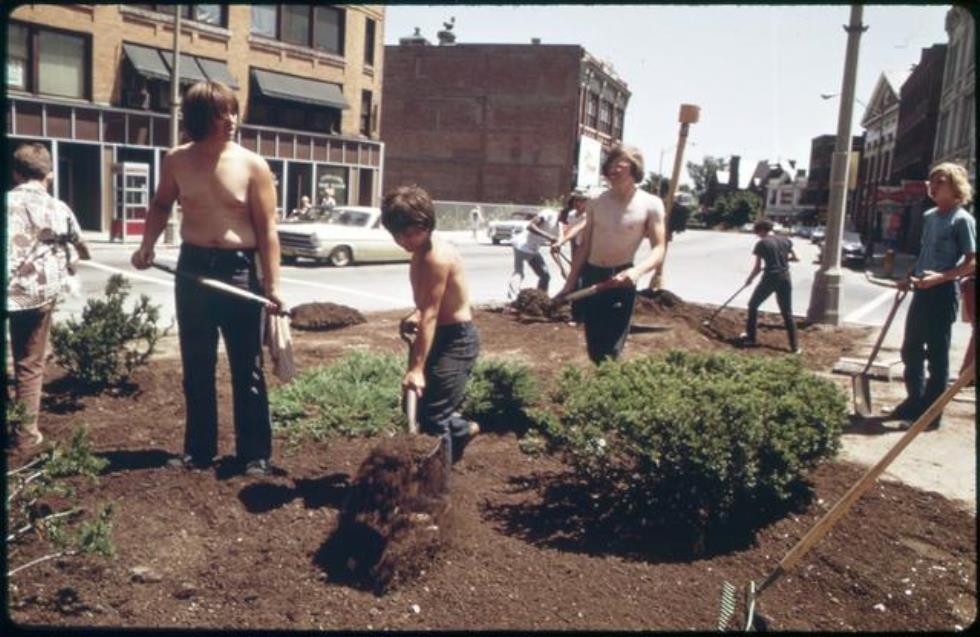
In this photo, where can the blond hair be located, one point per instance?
(957, 179)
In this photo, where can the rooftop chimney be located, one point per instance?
(535, 40)
(416, 39)
(446, 36)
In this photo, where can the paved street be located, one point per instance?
(702, 266)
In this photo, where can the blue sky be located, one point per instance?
(757, 72)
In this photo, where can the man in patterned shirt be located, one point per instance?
(39, 229)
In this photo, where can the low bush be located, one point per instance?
(360, 395)
(501, 395)
(687, 439)
(109, 343)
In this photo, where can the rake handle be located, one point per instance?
(725, 304)
(899, 297)
(827, 522)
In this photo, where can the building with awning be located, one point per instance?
(92, 82)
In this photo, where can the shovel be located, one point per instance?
(861, 383)
(827, 522)
(221, 286)
(708, 321)
(410, 400)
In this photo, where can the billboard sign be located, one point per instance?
(589, 161)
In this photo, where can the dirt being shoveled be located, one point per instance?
(322, 317)
(532, 303)
(395, 519)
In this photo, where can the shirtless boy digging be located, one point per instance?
(446, 341)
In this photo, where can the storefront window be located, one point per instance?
(332, 182)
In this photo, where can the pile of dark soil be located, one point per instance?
(395, 520)
(532, 303)
(322, 317)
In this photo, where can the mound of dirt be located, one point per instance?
(395, 520)
(322, 317)
(536, 304)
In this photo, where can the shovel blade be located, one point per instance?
(861, 389)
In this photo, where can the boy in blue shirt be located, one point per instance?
(948, 252)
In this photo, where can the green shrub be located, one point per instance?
(109, 343)
(690, 438)
(500, 395)
(359, 395)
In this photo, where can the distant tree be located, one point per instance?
(656, 184)
(705, 177)
(735, 208)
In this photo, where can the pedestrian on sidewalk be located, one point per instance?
(617, 221)
(39, 230)
(476, 221)
(540, 232)
(228, 233)
(773, 254)
(948, 252)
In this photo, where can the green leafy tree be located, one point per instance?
(737, 208)
(705, 176)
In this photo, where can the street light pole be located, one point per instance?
(169, 231)
(825, 295)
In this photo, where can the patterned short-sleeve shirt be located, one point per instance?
(36, 270)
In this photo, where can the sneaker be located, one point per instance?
(257, 468)
(188, 462)
(26, 441)
(798, 350)
(743, 341)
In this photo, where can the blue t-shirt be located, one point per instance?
(945, 239)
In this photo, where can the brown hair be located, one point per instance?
(32, 160)
(958, 180)
(203, 103)
(762, 225)
(632, 153)
(406, 207)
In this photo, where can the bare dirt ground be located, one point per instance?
(225, 551)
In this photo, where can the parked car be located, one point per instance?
(507, 229)
(852, 249)
(748, 227)
(779, 228)
(816, 236)
(341, 235)
(802, 231)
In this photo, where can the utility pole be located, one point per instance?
(169, 231)
(825, 295)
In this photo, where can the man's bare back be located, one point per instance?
(214, 194)
(425, 270)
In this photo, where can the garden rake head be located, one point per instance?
(729, 603)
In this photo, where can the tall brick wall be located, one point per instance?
(492, 123)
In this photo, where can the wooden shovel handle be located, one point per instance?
(827, 522)
(411, 410)
(592, 290)
(221, 286)
(899, 297)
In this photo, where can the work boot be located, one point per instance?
(257, 468)
(906, 410)
(188, 463)
(459, 445)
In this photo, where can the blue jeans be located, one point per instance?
(783, 287)
(928, 331)
(606, 315)
(202, 313)
(537, 263)
(447, 370)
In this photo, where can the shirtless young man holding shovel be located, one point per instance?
(228, 231)
(617, 221)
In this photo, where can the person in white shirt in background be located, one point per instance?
(541, 231)
(476, 220)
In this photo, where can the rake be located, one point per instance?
(827, 522)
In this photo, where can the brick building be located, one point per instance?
(956, 138)
(816, 195)
(93, 83)
(497, 123)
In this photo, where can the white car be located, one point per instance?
(507, 229)
(341, 235)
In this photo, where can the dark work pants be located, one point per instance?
(928, 329)
(606, 315)
(447, 370)
(202, 313)
(783, 287)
